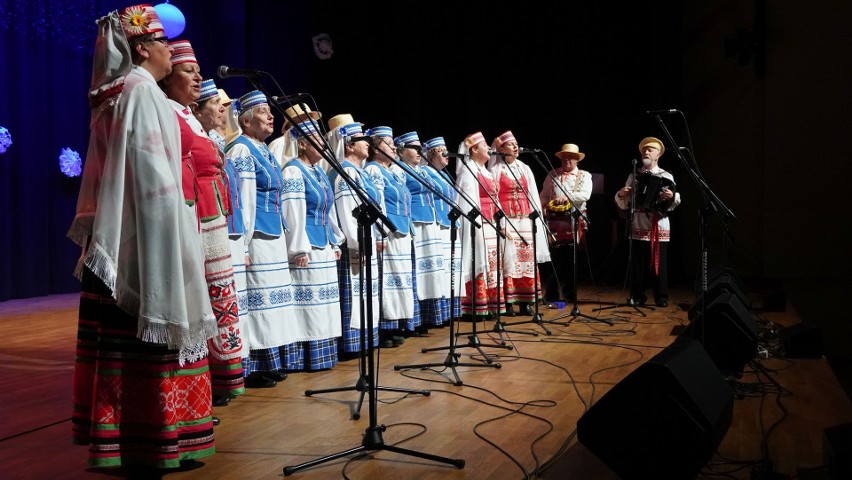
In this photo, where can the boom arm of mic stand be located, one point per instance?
(473, 205)
(537, 213)
(710, 199)
(410, 171)
(327, 154)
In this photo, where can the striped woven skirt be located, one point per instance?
(133, 404)
(226, 370)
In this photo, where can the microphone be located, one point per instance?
(657, 112)
(289, 98)
(453, 155)
(225, 72)
(527, 150)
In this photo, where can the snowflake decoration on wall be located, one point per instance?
(69, 162)
(5, 140)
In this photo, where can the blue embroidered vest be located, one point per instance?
(422, 200)
(319, 199)
(397, 199)
(268, 218)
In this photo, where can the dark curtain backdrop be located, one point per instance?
(552, 72)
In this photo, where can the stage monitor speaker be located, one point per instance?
(665, 419)
(728, 333)
(722, 280)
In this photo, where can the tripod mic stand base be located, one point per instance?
(371, 442)
(637, 306)
(536, 320)
(575, 313)
(451, 362)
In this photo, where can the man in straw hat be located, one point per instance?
(567, 180)
(651, 229)
(145, 314)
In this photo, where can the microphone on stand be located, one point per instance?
(225, 72)
(657, 112)
(453, 155)
(527, 150)
(286, 99)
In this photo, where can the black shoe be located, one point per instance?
(526, 309)
(215, 421)
(397, 340)
(638, 300)
(274, 376)
(221, 400)
(510, 312)
(257, 380)
(387, 344)
(663, 303)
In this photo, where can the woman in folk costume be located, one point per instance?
(183, 87)
(269, 323)
(141, 389)
(436, 163)
(519, 198)
(313, 239)
(219, 116)
(351, 147)
(428, 250)
(397, 287)
(284, 147)
(479, 189)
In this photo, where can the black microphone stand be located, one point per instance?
(533, 216)
(369, 212)
(366, 215)
(498, 327)
(451, 361)
(575, 213)
(712, 204)
(631, 302)
(575, 310)
(473, 337)
(372, 439)
(581, 214)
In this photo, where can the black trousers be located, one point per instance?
(561, 276)
(642, 273)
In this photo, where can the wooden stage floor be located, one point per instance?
(516, 421)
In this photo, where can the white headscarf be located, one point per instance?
(137, 233)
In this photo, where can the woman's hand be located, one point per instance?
(301, 260)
